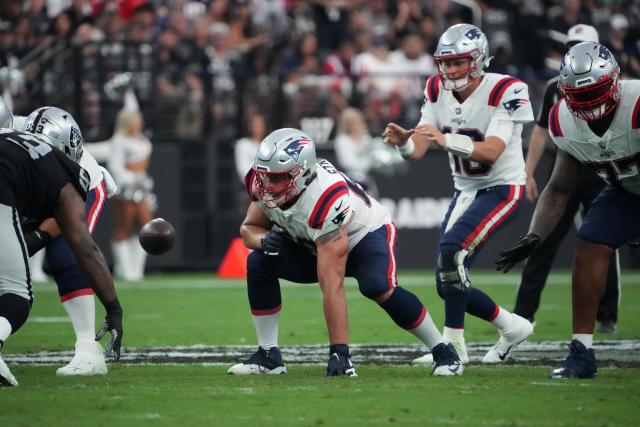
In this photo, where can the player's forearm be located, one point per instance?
(334, 302)
(536, 148)
(549, 210)
(421, 145)
(252, 235)
(486, 154)
(50, 226)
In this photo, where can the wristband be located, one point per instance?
(408, 148)
(460, 145)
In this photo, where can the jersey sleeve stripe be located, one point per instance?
(433, 88)
(321, 209)
(635, 117)
(554, 120)
(499, 89)
(97, 206)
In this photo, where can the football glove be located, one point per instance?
(36, 240)
(510, 257)
(113, 324)
(340, 362)
(272, 242)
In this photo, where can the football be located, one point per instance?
(157, 236)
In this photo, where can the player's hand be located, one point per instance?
(113, 324)
(432, 134)
(36, 240)
(510, 257)
(531, 189)
(340, 362)
(396, 135)
(272, 242)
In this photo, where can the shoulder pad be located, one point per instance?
(432, 88)
(324, 203)
(554, 120)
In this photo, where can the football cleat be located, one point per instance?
(261, 362)
(447, 362)
(6, 377)
(87, 360)
(459, 345)
(519, 330)
(581, 363)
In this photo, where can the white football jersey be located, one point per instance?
(329, 201)
(615, 156)
(497, 98)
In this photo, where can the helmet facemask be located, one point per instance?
(463, 82)
(275, 189)
(595, 101)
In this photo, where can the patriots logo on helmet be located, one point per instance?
(604, 53)
(295, 147)
(512, 105)
(74, 137)
(473, 34)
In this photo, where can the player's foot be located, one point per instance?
(581, 363)
(447, 362)
(261, 362)
(608, 327)
(87, 360)
(459, 345)
(6, 377)
(518, 331)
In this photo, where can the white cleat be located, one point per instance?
(461, 349)
(6, 377)
(87, 360)
(261, 362)
(519, 330)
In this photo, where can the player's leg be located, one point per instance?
(124, 219)
(294, 263)
(16, 294)
(536, 269)
(373, 263)
(612, 220)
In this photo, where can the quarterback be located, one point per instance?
(477, 118)
(596, 124)
(309, 223)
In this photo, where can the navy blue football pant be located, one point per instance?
(59, 260)
(491, 209)
(372, 262)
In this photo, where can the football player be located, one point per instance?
(310, 223)
(58, 128)
(38, 181)
(477, 118)
(597, 124)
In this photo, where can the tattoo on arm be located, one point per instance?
(331, 236)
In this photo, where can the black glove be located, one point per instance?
(510, 257)
(36, 240)
(112, 323)
(340, 362)
(272, 242)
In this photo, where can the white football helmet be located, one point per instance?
(462, 41)
(590, 81)
(284, 165)
(58, 128)
(6, 117)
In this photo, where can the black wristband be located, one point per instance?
(36, 240)
(113, 307)
(339, 348)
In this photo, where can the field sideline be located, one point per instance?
(200, 315)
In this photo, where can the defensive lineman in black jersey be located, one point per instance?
(38, 181)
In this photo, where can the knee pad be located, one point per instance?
(257, 262)
(372, 285)
(453, 274)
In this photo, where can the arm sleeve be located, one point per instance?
(550, 95)
(501, 128)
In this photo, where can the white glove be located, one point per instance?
(109, 183)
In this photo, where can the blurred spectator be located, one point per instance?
(353, 147)
(245, 148)
(135, 201)
(627, 52)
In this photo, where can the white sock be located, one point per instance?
(503, 319)
(82, 312)
(453, 334)
(427, 332)
(586, 339)
(5, 329)
(35, 264)
(138, 257)
(267, 330)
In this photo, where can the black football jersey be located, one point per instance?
(32, 173)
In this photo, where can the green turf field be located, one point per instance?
(187, 310)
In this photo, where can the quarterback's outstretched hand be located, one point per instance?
(113, 324)
(340, 362)
(272, 242)
(510, 257)
(396, 135)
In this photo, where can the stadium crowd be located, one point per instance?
(199, 65)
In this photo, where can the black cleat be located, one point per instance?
(581, 363)
(261, 362)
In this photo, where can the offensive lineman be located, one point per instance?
(477, 117)
(329, 228)
(596, 124)
(59, 128)
(38, 181)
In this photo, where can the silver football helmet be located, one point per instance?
(590, 81)
(58, 128)
(284, 165)
(462, 41)
(6, 117)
